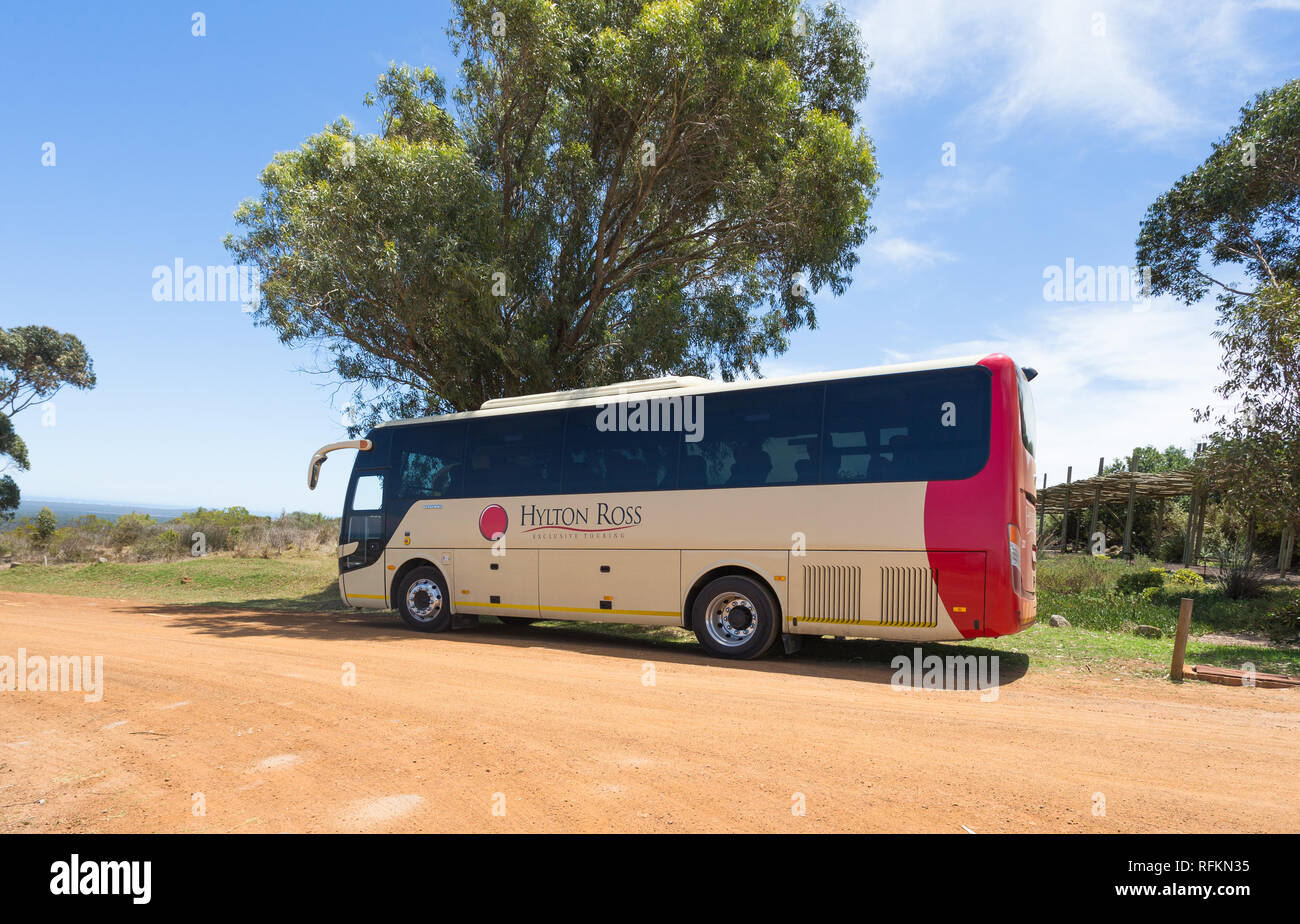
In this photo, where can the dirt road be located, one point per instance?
(249, 719)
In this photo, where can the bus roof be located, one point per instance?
(670, 386)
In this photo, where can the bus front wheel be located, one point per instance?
(735, 617)
(423, 602)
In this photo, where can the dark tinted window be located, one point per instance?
(515, 454)
(764, 436)
(364, 523)
(927, 426)
(429, 460)
(1028, 423)
(616, 460)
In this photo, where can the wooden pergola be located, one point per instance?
(1127, 488)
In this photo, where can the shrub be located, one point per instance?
(1242, 582)
(163, 544)
(1173, 546)
(1073, 574)
(1186, 577)
(129, 529)
(1137, 581)
(46, 523)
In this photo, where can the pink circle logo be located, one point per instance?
(492, 522)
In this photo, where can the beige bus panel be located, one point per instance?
(867, 594)
(442, 559)
(884, 516)
(367, 587)
(769, 565)
(635, 585)
(499, 585)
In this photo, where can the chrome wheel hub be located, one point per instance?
(424, 600)
(731, 619)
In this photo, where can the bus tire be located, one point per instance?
(735, 616)
(423, 601)
(517, 621)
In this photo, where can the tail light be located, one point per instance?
(1013, 546)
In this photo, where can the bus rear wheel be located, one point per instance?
(423, 602)
(735, 617)
(517, 621)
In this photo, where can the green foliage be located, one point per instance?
(164, 544)
(46, 523)
(1074, 574)
(9, 496)
(1098, 604)
(1256, 453)
(623, 190)
(1136, 581)
(139, 537)
(1186, 577)
(130, 528)
(1240, 208)
(35, 362)
(1151, 459)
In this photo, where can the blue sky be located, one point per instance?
(1064, 128)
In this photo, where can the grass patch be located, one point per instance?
(1085, 590)
(290, 582)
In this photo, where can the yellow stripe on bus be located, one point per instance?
(368, 596)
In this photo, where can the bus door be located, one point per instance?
(362, 554)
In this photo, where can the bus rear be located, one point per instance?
(990, 515)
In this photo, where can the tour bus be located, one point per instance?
(894, 502)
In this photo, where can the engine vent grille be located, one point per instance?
(909, 597)
(832, 593)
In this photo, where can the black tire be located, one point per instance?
(424, 589)
(517, 621)
(735, 617)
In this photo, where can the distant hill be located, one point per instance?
(66, 509)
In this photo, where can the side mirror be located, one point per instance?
(1030, 373)
(317, 460)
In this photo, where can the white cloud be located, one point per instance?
(1145, 74)
(1110, 377)
(904, 253)
(954, 189)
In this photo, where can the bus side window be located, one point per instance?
(429, 460)
(511, 455)
(613, 460)
(883, 428)
(761, 436)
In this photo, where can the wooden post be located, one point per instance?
(1284, 552)
(1200, 528)
(1160, 528)
(1096, 502)
(1065, 513)
(1192, 506)
(1132, 495)
(1180, 640)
